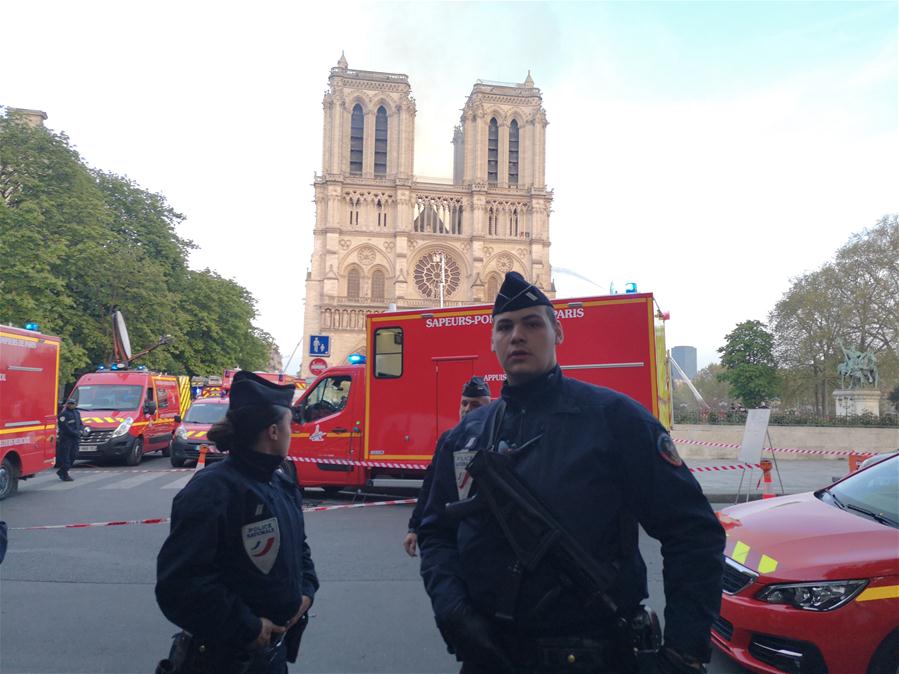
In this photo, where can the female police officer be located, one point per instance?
(236, 572)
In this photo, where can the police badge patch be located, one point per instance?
(262, 540)
(668, 450)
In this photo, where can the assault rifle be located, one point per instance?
(535, 536)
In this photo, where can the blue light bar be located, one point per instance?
(356, 359)
(32, 326)
(630, 288)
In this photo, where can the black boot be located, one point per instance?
(65, 477)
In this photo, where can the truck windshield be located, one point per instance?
(206, 413)
(107, 397)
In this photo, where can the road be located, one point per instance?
(81, 600)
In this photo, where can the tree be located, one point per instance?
(853, 299)
(893, 397)
(749, 365)
(77, 243)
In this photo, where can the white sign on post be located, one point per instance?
(754, 435)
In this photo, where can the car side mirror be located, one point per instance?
(149, 407)
(297, 413)
(177, 418)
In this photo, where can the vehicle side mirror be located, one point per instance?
(297, 413)
(177, 418)
(149, 407)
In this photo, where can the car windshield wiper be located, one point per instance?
(835, 499)
(873, 515)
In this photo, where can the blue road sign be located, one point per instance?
(320, 345)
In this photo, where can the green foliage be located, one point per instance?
(749, 366)
(893, 397)
(780, 418)
(78, 243)
(854, 299)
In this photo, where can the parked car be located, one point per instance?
(812, 581)
(876, 458)
(190, 436)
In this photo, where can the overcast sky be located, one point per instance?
(707, 151)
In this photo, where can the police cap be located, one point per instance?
(249, 389)
(516, 293)
(475, 388)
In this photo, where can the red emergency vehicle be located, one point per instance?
(190, 437)
(127, 413)
(29, 389)
(392, 409)
(275, 377)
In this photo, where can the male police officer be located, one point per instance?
(599, 463)
(475, 394)
(68, 437)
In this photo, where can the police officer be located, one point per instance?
(475, 394)
(68, 437)
(600, 463)
(236, 572)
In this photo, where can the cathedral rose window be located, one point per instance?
(428, 270)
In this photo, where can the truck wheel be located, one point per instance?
(177, 462)
(136, 453)
(167, 450)
(9, 479)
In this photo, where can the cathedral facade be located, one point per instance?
(385, 239)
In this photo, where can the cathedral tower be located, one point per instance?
(383, 237)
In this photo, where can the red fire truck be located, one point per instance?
(29, 389)
(376, 423)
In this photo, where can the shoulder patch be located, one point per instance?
(668, 450)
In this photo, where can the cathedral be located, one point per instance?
(385, 239)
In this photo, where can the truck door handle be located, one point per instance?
(338, 430)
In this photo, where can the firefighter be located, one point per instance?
(68, 437)
(236, 572)
(475, 394)
(600, 463)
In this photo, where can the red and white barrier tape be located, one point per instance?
(736, 466)
(166, 520)
(364, 464)
(791, 450)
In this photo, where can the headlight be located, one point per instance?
(818, 596)
(181, 433)
(123, 428)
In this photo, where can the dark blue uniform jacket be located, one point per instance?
(602, 458)
(70, 426)
(237, 551)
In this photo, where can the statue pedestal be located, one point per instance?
(852, 402)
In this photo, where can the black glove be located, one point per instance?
(669, 661)
(470, 635)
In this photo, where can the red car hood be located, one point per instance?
(196, 430)
(808, 539)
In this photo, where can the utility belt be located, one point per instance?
(191, 655)
(629, 649)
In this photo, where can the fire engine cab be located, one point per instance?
(377, 423)
(29, 389)
(126, 413)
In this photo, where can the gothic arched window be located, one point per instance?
(353, 281)
(381, 142)
(492, 288)
(377, 285)
(513, 153)
(357, 132)
(492, 151)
